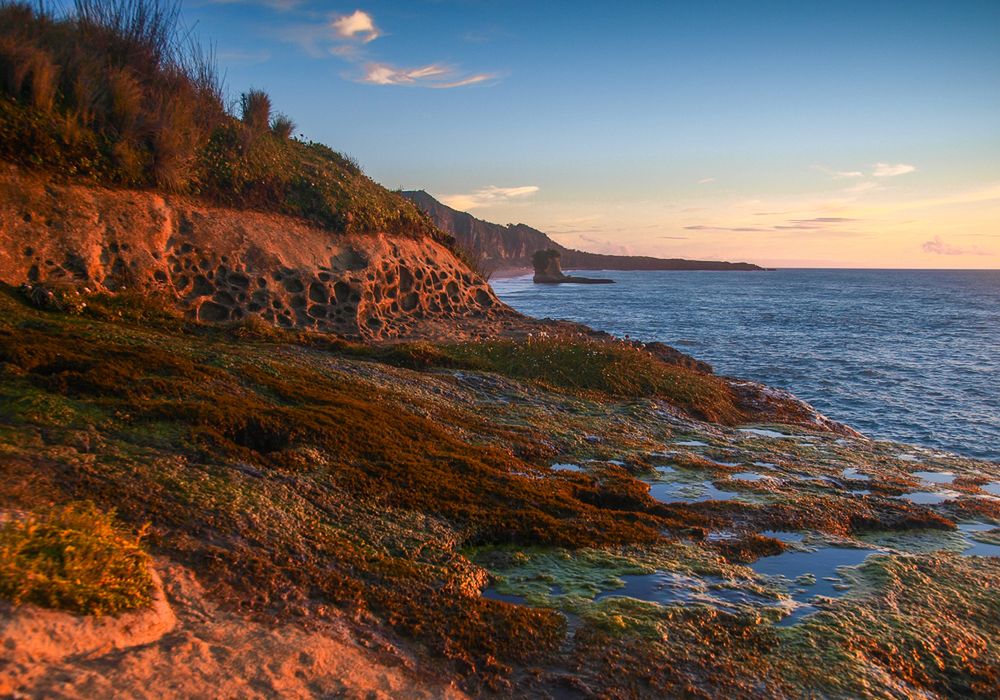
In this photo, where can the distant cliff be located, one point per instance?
(511, 246)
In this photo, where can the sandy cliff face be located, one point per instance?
(224, 265)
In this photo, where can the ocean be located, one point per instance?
(903, 355)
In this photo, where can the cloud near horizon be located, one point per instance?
(878, 170)
(818, 223)
(839, 174)
(936, 246)
(487, 196)
(892, 170)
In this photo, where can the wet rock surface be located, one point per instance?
(483, 530)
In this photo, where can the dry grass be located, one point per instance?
(255, 110)
(116, 92)
(282, 127)
(74, 558)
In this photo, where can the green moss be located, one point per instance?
(575, 364)
(926, 622)
(73, 558)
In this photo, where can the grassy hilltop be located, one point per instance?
(115, 93)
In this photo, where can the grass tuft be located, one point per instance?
(282, 127)
(255, 109)
(74, 558)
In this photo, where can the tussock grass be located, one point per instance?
(255, 110)
(74, 558)
(282, 127)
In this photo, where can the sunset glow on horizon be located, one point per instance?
(787, 134)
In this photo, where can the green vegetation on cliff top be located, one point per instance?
(112, 92)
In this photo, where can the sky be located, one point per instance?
(805, 133)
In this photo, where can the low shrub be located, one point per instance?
(75, 558)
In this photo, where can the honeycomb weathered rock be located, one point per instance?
(223, 265)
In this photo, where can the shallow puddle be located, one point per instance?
(854, 474)
(491, 594)
(810, 574)
(751, 476)
(665, 588)
(935, 477)
(930, 498)
(762, 432)
(975, 548)
(992, 488)
(566, 467)
(688, 492)
(691, 443)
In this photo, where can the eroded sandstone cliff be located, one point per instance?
(225, 265)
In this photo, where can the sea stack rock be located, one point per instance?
(548, 270)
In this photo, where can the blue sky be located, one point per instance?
(788, 133)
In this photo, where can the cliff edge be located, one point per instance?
(217, 264)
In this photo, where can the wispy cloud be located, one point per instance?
(863, 188)
(706, 180)
(356, 26)
(892, 169)
(866, 183)
(733, 229)
(818, 223)
(936, 246)
(349, 37)
(432, 76)
(487, 196)
(839, 174)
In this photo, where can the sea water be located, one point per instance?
(902, 355)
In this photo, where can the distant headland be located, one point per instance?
(511, 247)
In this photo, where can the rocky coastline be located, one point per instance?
(266, 431)
(601, 516)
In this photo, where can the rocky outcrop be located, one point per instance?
(226, 265)
(549, 271)
(511, 246)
